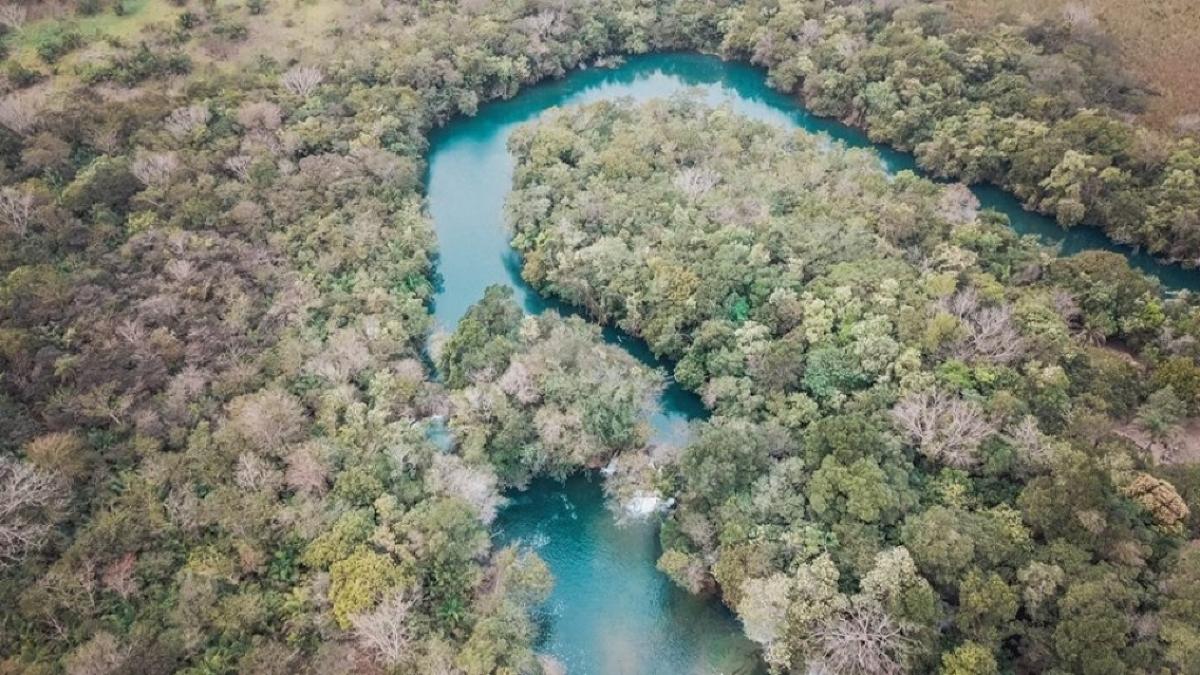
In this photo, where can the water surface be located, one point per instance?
(612, 612)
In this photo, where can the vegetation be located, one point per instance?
(542, 396)
(1146, 37)
(214, 276)
(910, 464)
(213, 319)
(1032, 111)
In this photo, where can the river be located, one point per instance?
(612, 612)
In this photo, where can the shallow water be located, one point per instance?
(612, 612)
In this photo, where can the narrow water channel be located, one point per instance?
(612, 612)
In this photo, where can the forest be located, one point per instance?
(934, 446)
(919, 455)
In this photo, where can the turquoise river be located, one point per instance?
(612, 612)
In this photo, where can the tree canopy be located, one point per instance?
(909, 465)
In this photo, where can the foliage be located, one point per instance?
(214, 277)
(877, 374)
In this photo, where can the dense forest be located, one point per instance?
(923, 451)
(217, 377)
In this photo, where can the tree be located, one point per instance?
(1161, 414)
(723, 460)
(12, 15)
(29, 500)
(861, 641)
(16, 209)
(969, 658)
(986, 607)
(1095, 626)
(944, 428)
(268, 419)
(1180, 608)
(483, 342)
(154, 169)
(302, 80)
(859, 491)
(358, 582)
(105, 182)
(21, 113)
(386, 632)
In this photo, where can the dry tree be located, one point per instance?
(695, 182)
(301, 80)
(385, 633)
(29, 497)
(13, 15)
(20, 112)
(861, 641)
(239, 166)
(183, 121)
(475, 486)
(990, 334)
(944, 428)
(155, 169)
(16, 210)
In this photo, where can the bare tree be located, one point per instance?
(118, 576)
(1032, 446)
(385, 632)
(958, 204)
(154, 169)
(346, 353)
(695, 182)
(239, 165)
(945, 428)
(990, 333)
(306, 470)
(183, 121)
(1187, 124)
(16, 209)
(101, 655)
(28, 499)
(520, 382)
(20, 113)
(302, 80)
(13, 15)
(551, 665)
(993, 337)
(260, 115)
(764, 606)
(862, 641)
(475, 486)
(269, 419)
(181, 270)
(255, 473)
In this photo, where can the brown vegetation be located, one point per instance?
(1157, 40)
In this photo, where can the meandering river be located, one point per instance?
(612, 612)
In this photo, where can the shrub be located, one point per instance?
(57, 43)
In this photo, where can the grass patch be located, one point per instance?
(23, 45)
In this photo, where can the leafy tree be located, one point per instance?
(484, 339)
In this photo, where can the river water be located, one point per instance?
(612, 612)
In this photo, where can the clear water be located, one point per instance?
(612, 612)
